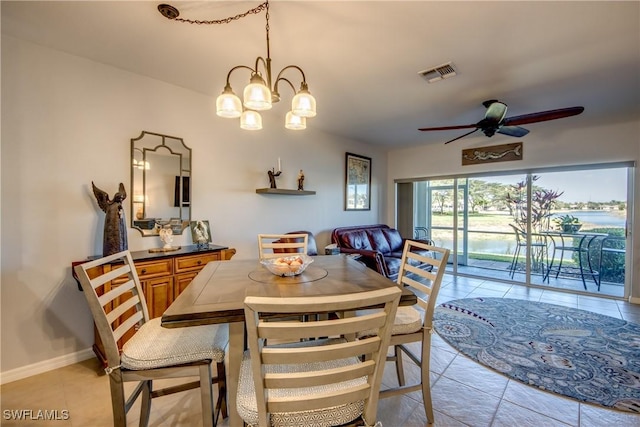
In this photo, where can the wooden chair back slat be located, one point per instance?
(306, 379)
(116, 292)
(122, 308)
(127, 325)
(300, 330)
(269, 243)
(319, 401)
(278, 356)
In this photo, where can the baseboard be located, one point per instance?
(634, 300)
(45, 366)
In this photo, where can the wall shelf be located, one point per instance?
(284, 192)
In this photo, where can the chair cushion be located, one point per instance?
(407, 321)
(338, 415)
(153, 346)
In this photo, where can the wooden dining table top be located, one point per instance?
(217, 293)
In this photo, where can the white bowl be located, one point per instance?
(290, 265)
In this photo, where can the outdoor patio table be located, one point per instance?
(216, 295)
(566, 242)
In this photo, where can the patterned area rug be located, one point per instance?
(575, 353)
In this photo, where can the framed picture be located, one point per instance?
(357, 192)
(200, 232)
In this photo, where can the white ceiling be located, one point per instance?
(362, 58)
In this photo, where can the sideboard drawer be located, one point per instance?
(195, 262)
(151, 269)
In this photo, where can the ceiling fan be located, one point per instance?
(495, 120)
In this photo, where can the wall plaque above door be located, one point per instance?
(492, 154)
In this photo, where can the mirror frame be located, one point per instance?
(184, 222)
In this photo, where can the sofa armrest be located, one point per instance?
(372, 259)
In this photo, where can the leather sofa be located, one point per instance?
(379, 246)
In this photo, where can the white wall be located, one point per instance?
(67, 121)
(547, 145)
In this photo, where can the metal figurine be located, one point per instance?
(272, 177)
(301, 181)
(115, 228)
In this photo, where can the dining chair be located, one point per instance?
(116, 299)
(312, 248)
(318, 381)
(415, 323)
(273, 245)
(521, 242)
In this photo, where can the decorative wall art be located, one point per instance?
(200, 232)
(492, 154)
(357, 192)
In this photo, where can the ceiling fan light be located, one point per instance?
(257, 96)
(303, 104)
(295, 122)
(496, 111)
(251, 120)
(228, 104)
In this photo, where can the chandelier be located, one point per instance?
(262, 90)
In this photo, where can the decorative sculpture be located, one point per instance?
(272, 177)
(301, 180)
(166, 236)
(115, 228)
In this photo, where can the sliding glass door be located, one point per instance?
(508, 227)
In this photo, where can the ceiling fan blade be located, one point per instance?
(516, 131)
(450, 127)
(462, 136)
(542, 116)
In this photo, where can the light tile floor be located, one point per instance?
(464, 392)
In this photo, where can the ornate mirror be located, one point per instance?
(160, 183)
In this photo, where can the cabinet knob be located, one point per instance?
(143, 271)
(199, 261)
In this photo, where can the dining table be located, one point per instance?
(216, 296)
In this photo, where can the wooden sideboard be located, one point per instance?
(163, 276)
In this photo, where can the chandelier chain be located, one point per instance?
(254, 11)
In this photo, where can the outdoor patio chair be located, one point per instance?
(521, 242)
(610, 246)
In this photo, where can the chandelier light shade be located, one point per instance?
(257, 96)
(303, 104)
(228, 104)
(251, 120)
(295, 122)
(262, 90)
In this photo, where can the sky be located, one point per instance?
(596, 185)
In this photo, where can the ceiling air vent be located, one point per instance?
(438, 73)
